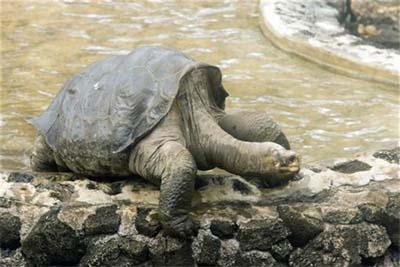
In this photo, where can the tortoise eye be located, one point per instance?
(220, 94)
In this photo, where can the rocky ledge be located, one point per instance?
(376, 21)
(344, 212)
(355, 43)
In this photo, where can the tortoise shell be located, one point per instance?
(116, 101)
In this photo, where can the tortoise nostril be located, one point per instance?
(292, 158)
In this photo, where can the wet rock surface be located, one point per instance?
(342, 245)
(115, 251)
(262, 234)
(351, 166)
(9, 231)
(327, 218)
(223, 228)
(104, 221)
(52, 242)
(145, 224)
(19, 177)
(206, 248)
(303, 228)
(391, 219)
(390, 155)
(256, 258)
(375, 21)
(361, 41)
(168, 251)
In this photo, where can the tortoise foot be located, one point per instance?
(182, 227)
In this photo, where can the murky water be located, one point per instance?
(44, 42)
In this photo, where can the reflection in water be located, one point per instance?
(44, 42)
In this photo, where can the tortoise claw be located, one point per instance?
(182, 227)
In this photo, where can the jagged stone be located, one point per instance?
(135, 249)
(335, 218)
(391, 259)
(371, 213)
(343, 245)
(316, 30)
(350, 166)
(256, 258)
(343, 216)
(19, 177)
(115, 188)
(303, 228)
(223, 228)
(59, 191)
(52, 242)
(104, 252)
(390, 155)
(391, 219)
(228, 253)
(13, 258)
(261, 234)
(145, 224)
(9, 231)
(168, 251)
(5, 203)
(377, 22)
(281, 250)
(104, 221)
(206, 248)
(110, 251)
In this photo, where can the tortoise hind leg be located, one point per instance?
(42, 158)
(171, 166)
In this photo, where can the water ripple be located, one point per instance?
(323, 114)
(364, 131)
(90, 16)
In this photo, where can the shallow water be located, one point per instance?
(325, 115)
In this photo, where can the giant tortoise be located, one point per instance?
(159, 114)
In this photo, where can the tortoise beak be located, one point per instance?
(291, 164)
(294, 166)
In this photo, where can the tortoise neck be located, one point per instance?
(209, 144)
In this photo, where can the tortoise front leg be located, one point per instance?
(253, 127)
(171, 166)
(213, 146)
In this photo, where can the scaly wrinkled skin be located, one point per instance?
(189, 138)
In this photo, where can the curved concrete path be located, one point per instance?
(310, 29)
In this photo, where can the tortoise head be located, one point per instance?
(280, 161)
